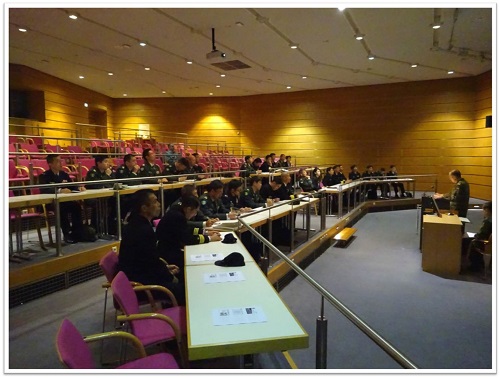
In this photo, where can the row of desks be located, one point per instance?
(207, 302)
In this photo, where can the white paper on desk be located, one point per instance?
(207, 257)
(220, 277)
(464, 220)
(238, 315)
(471, 234)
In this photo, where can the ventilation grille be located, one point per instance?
(231, 65)
(35, 290)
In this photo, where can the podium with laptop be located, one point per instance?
(441, 239)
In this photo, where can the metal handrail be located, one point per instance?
(344, 310)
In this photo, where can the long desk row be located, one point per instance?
(234, 317)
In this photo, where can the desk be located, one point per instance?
(441, 244)
(281, 331)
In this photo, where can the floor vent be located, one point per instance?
(35, 290)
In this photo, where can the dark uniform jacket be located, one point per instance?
(248, 170)
(315, 183)
(94, 175)
(49, 177)
(139, 258)
(459, 197)
(171, 170)
(286, 192)
(267, 192)
(174, 234)
(354, 175)
(124, 172)
(338, 178)
(328, 180)
(231, 201)
(264, 167)
(485, 230)
(251, 199)
(198, 169)
(306, 184)
(196, 221)
(149, 170)
(369, 175)
(213, 208)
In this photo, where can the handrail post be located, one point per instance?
(321, 337)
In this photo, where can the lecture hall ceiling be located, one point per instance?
(101, 41)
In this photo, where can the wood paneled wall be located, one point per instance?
(427, 127)
(64, 104)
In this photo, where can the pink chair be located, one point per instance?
(154, 327)
(74, 353)
(17, 174)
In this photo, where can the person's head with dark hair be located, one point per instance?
(255, 182)
(55, 163)
(234, 188)
(127, 158)
(354, 167)
(146, 204)
(288, 158)
(302, 172)
(190, 206)
(101, 162)
(248, 159)
(149, 155)
(316, 172)
(455, 175)
(392, 168)
(282, 157)
(276, 183)
(189, 190)
(215, 189)
(182, 164)
(336, 168)
(488, 206)
(286, 178)
(329, 170)
(196, 157)
(257, 162)
(369, 168)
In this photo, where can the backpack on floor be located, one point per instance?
(87, 234)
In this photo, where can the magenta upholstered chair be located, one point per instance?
(155, 327)
(74, 352)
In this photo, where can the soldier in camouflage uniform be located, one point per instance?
(459, 195)
(211, 204)
(251, 196)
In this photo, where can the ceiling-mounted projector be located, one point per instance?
(215, 54)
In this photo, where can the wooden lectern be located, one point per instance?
(441, 244)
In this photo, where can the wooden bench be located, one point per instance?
(344, 236)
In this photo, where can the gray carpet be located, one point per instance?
(437, 323)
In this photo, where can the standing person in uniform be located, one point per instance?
(211, 204)
(139, 258)
(459, 195)
(150, 168)
(55, 175)
(174, 233)
(102, 171)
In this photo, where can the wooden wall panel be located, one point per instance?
(427, 127)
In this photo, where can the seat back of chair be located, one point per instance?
(72, 350)
(124, 294)
(109, 265)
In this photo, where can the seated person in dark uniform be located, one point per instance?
(273, 160)
(251, 196)
(103, 218)
(200, 220)
(211, 204)
(180, 167)
(354, 174)
(281, 163)
(265, 167)
(232, 198)
(316, 179)
(129, 169)
(385, 191)
(55, 175)
(338, 177)
(305, 181)
(371, 189)
(257, 162)
(478, 242)
(247, 167)
(398, 186)
(272, 190)
(328, 179)
(459, 195)
(174, 233)
(150, 168)
(197, 168)
(287, 191)
(139, 258)
(288, 161)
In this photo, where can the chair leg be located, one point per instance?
(39, 231)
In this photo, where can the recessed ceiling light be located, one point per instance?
(436, 25)
(211, 94)
(142, 44)
(293, 46)
(163, 92)
(341, 9)
(288, 87)
(110, 73)
(23, 30)
(304, 77)
(451, 72)
(371, 57)
(189, 61)
(85, 104)
(125, 95)
(73, 16)
(147, 68)
(81, 77)
(239, 23)
(217, 86)
(359, 36)
(222, 75)
(414, 66)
